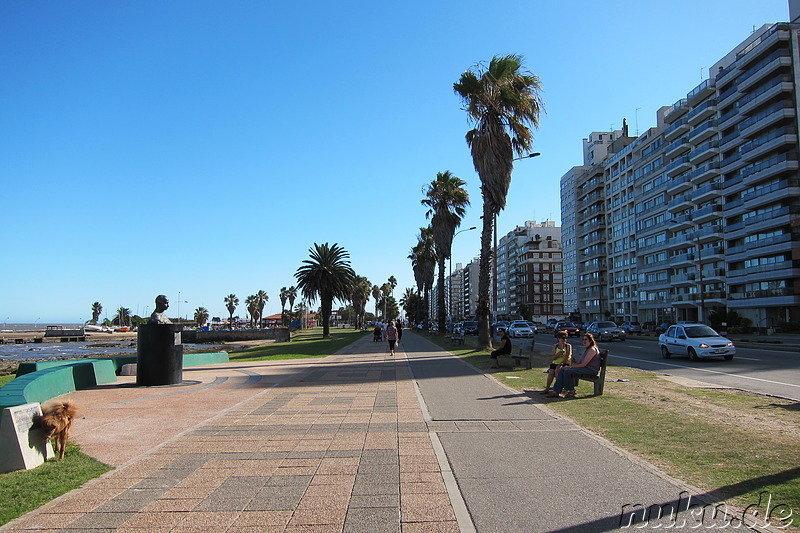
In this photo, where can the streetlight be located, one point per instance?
(450, 299)
(494, 251)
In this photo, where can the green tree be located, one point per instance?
(231, 302)
(376, 295)
(261, 302)
(97, 310)
(327, 275)
(123, 317)
(410, 302)
(389, 303)
(446, 199)
(200, 316)
(359, 296)
(283, 296)
(251, 304)
(291, 294)
(423, 262)
(503, 102)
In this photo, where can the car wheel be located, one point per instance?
(729, 357)
(665, 353)
(693, 355)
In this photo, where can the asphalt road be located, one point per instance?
(765, 371)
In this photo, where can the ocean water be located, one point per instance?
(73, 350)
(38, 326)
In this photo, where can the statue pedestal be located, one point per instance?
(159, 354)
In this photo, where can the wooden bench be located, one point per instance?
(600, 379)
(519, 357)
(456, 339)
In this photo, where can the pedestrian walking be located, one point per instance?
(399, 332)
(391, 336)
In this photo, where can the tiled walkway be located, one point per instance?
(340, 447)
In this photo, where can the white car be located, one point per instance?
(520, 328)
(696, 341)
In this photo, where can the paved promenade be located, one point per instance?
(356, 442)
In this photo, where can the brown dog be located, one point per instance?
(57, 423)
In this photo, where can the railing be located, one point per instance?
(766, 293)
(700, 108)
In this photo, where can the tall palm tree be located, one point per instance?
(123, 317)
(386, 290)
(327, 275)
(261, 301)
(97, 310)
(446, 199)
(503, 102)
(376, 294)
(409, 302)
(291, 294)
(359, 296)
(251, 304)
(231, 301)
(393, 283)
(200, 316)
(423, 261)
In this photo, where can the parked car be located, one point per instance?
(695, 341)
(499, 324)
(569, 328)
(551, 323)
(606, 331)
(520, 328)
(632, 327)
(533, 326)
(470, 327)
(662, 328)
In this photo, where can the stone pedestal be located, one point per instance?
(22, 442)
(159, 354)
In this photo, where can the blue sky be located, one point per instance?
(201, 148)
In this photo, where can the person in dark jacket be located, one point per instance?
(504, 349)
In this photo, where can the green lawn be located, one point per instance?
(304, 344)
(6, 379)
(25, 490)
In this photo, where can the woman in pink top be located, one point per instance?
(391, 336)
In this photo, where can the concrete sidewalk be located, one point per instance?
(349, 443)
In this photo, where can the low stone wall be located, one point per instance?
(222, 335)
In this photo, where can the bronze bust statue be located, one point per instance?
(158, 316)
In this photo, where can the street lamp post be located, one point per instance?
(450, 298)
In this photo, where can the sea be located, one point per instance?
(98, 347)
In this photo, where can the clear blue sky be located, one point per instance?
(201, 148)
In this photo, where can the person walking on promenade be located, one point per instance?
(399, 332)
(589, 365)
(561, 358)
(504, 349)
(391, 336)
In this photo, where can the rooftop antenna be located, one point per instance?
(637, 121)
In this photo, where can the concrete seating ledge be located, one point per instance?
(42, 380)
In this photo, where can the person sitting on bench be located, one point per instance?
(589, 365)
(504, 349)
(561, 358)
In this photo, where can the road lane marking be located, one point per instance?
(747, 358)
(709, 371)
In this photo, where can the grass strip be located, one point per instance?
(730, 443)
(304, 344)
(6, 379)
(25, 490)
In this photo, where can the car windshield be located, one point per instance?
(606, 325)
(695, 332)
(520, 325)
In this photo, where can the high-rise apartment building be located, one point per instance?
(700, 214)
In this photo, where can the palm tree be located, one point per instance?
(409, 302)
(393, 283)
(446, 199)
(123, 316)
(200, 316)
(386, 290)
(376, 294)
(231, 301)
(327, 275)
(251, 303)
(423, 261)
(502, 101)
(359, 296)
(261, 300)
(97, 310)
(291, 294)
(283, 296)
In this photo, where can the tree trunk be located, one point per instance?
(440, 299)
(327, 305)
(484, 265)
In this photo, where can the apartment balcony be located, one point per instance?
(767, 169)
(760, 246)
(679, 109)
(755, 149)
(764, 298)
(730, 118)
(702, 112)
(731, 163)
(677, 148)
(713, 253)
(703, 90)
(704, 131)
(760, 223)
(679, 241)
(704, 151)
(675, 130)
(775, 271)
(704, 214)
(713, 274)
(711, 233)
(678, 184)
(758, 100)
(709, 191)
(680, 260)
(709, 297)
(678, 222)
(776, 33)
(729, 96)
(682, 300)
(756, 123)
(655, 303)
(750, 78)
(683, 280)
(708, 170)
(680, 203)
(678, 165)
